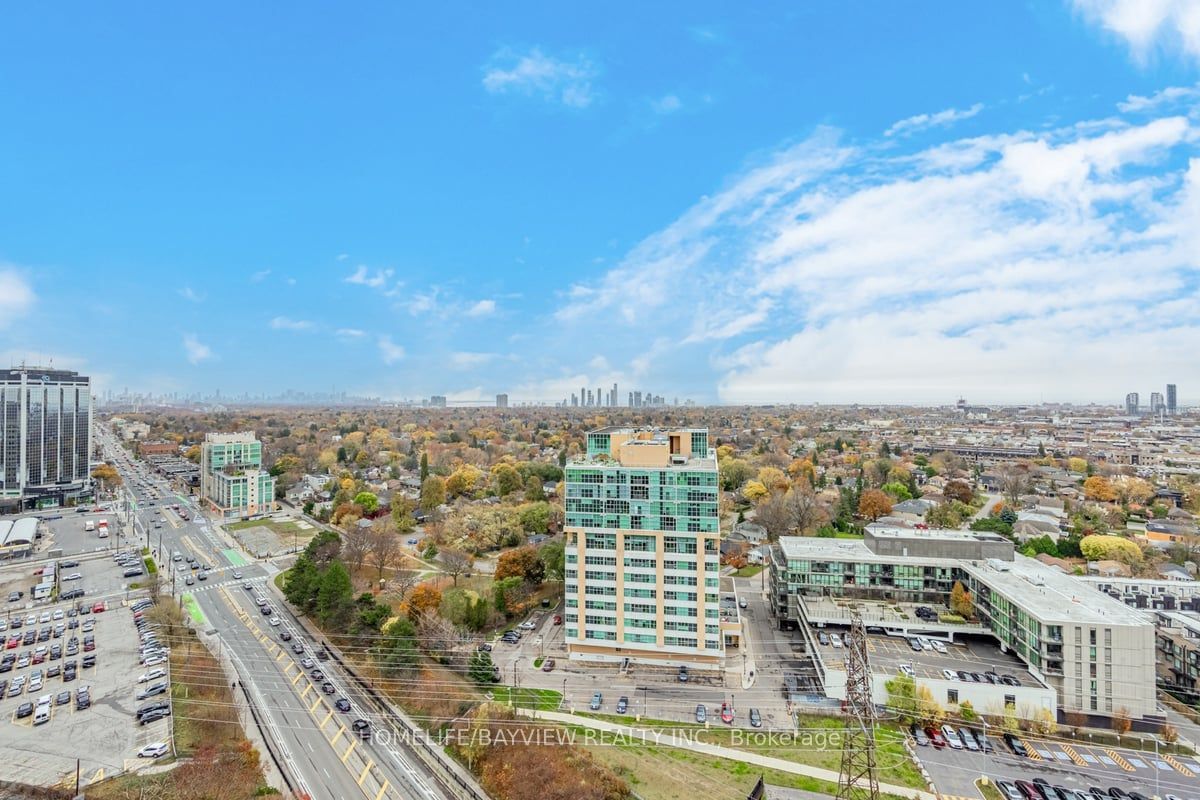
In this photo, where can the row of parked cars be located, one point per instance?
(1041, 789)
(152, 654)
(954, 738)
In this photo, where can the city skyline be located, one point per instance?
(753, 234)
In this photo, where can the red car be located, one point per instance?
(96, 609)
(726, 714)
(935, 737)
(558, 619)
(13, 641)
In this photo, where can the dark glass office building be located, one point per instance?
(45, 436)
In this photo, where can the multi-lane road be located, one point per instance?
(315, 741)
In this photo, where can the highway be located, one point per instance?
(314, 740)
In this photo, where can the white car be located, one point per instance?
(152, 674)
(74, 576)
(154, 661)
(939, 647)
(237, 576)
(949, 674)
(58, 614)
(527, 625)
(908, 670)
(274, 622)
(835, 640)
(153, 750)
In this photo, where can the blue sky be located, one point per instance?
(782, 203)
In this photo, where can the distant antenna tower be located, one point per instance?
(858, 779)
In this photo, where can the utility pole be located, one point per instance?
(858, 779)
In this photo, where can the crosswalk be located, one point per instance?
(1099, 756)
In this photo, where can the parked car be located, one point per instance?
(597, 699)
(755, 718)
(683, 674)
(154, 750)
(919, 735)
(726, 713)
(548, 665)
(622, 704)
(1018, 747)
(952, 737)
(701, 714)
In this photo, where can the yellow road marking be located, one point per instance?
(382, 789)
(325, 721)
(313, 707)
(1122, 763)
(363, 776)
(1184, 771)
(280, 656)
(341, 729)
(1031, 750)
(297, 677)
(304, 693)
(1070, 751)
(349, 750)
(99, 776)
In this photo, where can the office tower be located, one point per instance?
(438, 401)
(501, 401)
(574, 400)
(615, 395)
(1172, 399)
(643, 549)
(637, 399)
(1156, 402)
(232, 479)
(45, 436)
(589, 398)
(1131, 403)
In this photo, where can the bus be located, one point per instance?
(102, 527)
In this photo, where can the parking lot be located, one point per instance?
(102, 733)
(968, 655)
(1070, 764)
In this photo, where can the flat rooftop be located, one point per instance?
(939, 534)
(810, 548)
(1052, 594)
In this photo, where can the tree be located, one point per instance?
(1168, 733)
(874, 504)
(370, 615)
(505, 479)
(463, 481)
(482, 670)
(1044, 722)
(402, 509)
(456, 562)
(1014, 482)
(943, 516)
(754, 491)
(397, 655)
(1099, 488)
(301, 583)
(424, 598)
(1132, 490)
(367, 501)
(553, 556)
(1121, 723)
(733, 473)
(774, 479)
(383, 550)
(1099, 547)
(535, 517)
(902, 698)
(517, 562)
(433, 492)
(929, 710)
(533, 489)
(356, 543)
(1079, 465)
(424, 466)
(958, 490)
(335, 597)
(897, 491)
(777, 515)
(107, 475)
(961, 601)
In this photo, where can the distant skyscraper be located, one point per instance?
(1172, 399)
(501, 401)
(45, 435)
(1131, 403)
(1156, 402)
(438, 401)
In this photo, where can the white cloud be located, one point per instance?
(260, 276)
(389, 351)
(667, 104)
(1164, 97)
(482, 308)
(940, 119)
(1062, 263)
(463, 360)
(1148, 25)
(286, 324)
(535, 74)
(195, 350)
(364, 277)
(188, 293)
(16, 295)
(350, 333)
(343, 256)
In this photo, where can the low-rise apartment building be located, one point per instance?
(1095, 652)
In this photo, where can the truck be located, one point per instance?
(89, 525)
(102, 527)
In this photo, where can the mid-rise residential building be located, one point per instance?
(45, 436)
(643, 549)
(1096, 653)
(1131, 403)
(1156, 403)
(1172, 399)
(501, 401)
(232, 479)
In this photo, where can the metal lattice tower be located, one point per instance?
(858, 779)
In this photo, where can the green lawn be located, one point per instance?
(748, 571)
(539, 699)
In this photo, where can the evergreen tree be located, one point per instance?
(335, 596)
(481, 670)
(424, 466)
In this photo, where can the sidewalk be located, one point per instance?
(667, 737)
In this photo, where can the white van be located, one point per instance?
(41, 714)
(89, 525)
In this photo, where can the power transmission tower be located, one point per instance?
(858, 779)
